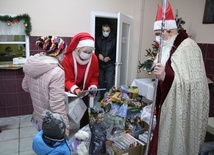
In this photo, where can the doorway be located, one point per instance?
(101, 20)
(112, 22)
(121, 27)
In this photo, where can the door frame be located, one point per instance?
(121, 18)
(102, 15)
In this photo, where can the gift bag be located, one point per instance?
(76, 110)
(146, 114)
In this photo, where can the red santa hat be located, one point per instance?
(170, 22)
(82, 39)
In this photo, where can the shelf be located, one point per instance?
(13, 42)
(9, 65)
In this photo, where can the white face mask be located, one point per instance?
(84, 55)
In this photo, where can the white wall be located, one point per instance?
(68, 17)
(190, 10)
(62, 17)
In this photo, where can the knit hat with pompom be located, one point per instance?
(52, 45)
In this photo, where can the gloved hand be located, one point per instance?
(94, 92)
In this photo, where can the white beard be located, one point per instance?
(166, 50)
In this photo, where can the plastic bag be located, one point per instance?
(208, 148)
(122, 112)
(98, 131)
(114, 109)
(146, 114)
(73, 141)
(98, 139)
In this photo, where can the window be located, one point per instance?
(12, 46)
(14, 36)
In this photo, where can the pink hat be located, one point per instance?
(170, 22)
(82, 39)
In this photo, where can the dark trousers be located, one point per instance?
(106, 78)
(85, 119)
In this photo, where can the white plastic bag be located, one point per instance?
(146, 114)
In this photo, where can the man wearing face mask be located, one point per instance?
(81, 68)
(105, 49)
(182, 101)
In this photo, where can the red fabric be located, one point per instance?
(169, 14)
(81, 72)
(75, 40)
(92, 77)
(162, 91)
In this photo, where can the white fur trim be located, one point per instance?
(75, 65)
(88, 42)
(92, 86)
(169, 24)
(73, 88)
(86, 72)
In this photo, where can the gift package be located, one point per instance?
(116, 127)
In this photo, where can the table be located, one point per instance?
(145, 87)
(210, 126)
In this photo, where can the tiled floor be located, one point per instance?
(16, 135)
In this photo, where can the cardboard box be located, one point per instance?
(112, 150)
(69, 97)
(75, 107)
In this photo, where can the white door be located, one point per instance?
(123, 41)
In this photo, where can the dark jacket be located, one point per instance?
(106, 47)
